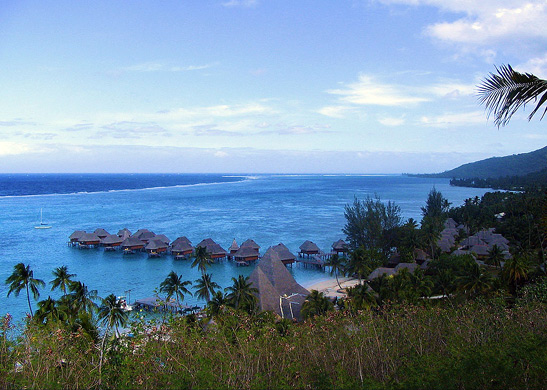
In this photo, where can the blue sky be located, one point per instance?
(322, 86)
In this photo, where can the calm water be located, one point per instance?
(267, 208)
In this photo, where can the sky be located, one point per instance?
(261, 86)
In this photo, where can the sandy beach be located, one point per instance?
(330, 287)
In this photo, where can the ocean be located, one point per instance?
(266, 208)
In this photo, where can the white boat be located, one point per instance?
(42, 224)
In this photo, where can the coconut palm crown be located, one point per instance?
(506, 91)
(23, 278)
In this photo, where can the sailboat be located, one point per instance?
(42, 224)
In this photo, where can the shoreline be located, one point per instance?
(330, 287)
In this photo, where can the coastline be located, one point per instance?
(330, 287)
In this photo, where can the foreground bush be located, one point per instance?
(479, 345)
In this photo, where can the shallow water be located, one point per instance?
(268, 208)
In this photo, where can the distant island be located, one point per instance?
(514, 172)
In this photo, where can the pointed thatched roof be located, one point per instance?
(285, 255)
(212, 247)
(124, 233)
(181, 240)
(234, 247)
(277, 289)
(309, 247)
(181, 246)
(76, 235)
(251, 244)
(101, 233)
(340, 246)
(144, 235)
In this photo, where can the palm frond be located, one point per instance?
(508, 90)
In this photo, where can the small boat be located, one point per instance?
(42, 224)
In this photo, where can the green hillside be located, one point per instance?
(497, 167)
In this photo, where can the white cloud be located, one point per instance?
(240, 3)
(220, 154)
(455, 119)
(367, 91)
(536, 66)
(334, 111)
(8, 148)
(387, 121)
(160, 67)
(482, 23)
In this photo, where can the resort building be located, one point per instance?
(284, 254)
(277, 290)
(213, 249)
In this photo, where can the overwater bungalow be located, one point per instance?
(309, 248)
(132, 244)
(89, 240)
(284, 254)
(277, 290)
(124, 233)
(245, 255)
(160, 304)
(213, 249)
(155, 248)
(101, 233)
(233, 248)
(251, 244)
(181, 248)
(340, 247)
(111, 242)
(144, 235)
(75, 237)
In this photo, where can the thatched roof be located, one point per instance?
(76, 235)
(340, 246)
(283, 252)
(277, 289)
(89, 237)
(181, 240)
(212, 247)
(181, 246)
(155, 244)
(309, 246)
(111, 239)
(251, 244)
(381, 271)
(450, 223)
(245, 252)
(124, 233)
(144, 234)
(479, 250)
(101, 233)
(163, 238)
(411, 267)
(132, 242)
(234, 247)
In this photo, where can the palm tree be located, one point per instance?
(62, 279)
(205, 287)
(515, 271)
(316, 304)
(336, 265)
(473, 281)
(23, 278)
(241, 294)
(495, 256)
(505, 92)
(202, 259)
(174, 285)
(49, 310)
(217, 301)
(110, 314)
(81, 298)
